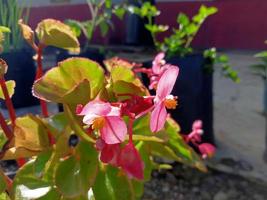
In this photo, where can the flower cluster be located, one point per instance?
(207, 150)
(107, 119)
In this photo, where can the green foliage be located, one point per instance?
(57, 86)
(261, 68)
(79, 172)
(111, 185)
(149, 11)
(179, 43)
(51, 32)
(213, 59)
(10, 13)
(101, 17)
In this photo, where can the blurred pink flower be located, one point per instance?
(105, 118)
(197, 131)
(163, 98)
(207, 150)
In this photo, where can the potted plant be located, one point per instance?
(15, 53)
(101, 13)
(103, 145)
(194, 85)
(261, 70)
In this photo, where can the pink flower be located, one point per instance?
(130, 161)
(158, 67)
(163, 98)
(207, 150)
(197, 131)
(105, 118)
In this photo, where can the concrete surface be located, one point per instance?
(239, 121)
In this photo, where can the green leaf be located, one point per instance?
(71, 81)
(124, 81)
(104, 28)
(223, 59)
(55, 33)
(3, 139)
(2, 182)
(27, 185)
(108, 3)
(75, 26)
(177, 144)
(74, 176)
(4, 29)
(156, 28)
(146, 158)
(262, 54)
(119, 11)
(183, 20)
(10, 88)
(111, 184)
(30, 133)
(58, 122)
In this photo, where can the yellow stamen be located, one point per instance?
(98, 123)
(170, 103)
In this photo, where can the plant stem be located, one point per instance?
(130, 129)
(75, 124)
(8, 102)
(39, 74)
(5, 127)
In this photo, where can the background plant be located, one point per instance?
(101, 16)
(10, 13)
(181, 38)
(76, 164)
(261, 68)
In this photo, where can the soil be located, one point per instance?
(184, 183)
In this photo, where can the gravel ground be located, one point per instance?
(183, 183)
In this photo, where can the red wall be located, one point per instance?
(239, 24)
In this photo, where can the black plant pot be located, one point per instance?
(22, 70)
(93, 54)
(194, 90)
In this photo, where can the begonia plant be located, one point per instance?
(104, 144)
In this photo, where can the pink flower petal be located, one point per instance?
(197, 125)
(167, 81)
(158, 117)
(157, 63)
(207, 150)
(114, 130)
(131, 162)
(115, 111)
(89, 118)
(96, 107)
(110, 153)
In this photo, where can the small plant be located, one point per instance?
(261, 69)
(179, 42)
(10, 13)
(101, 13)
(104, 144)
